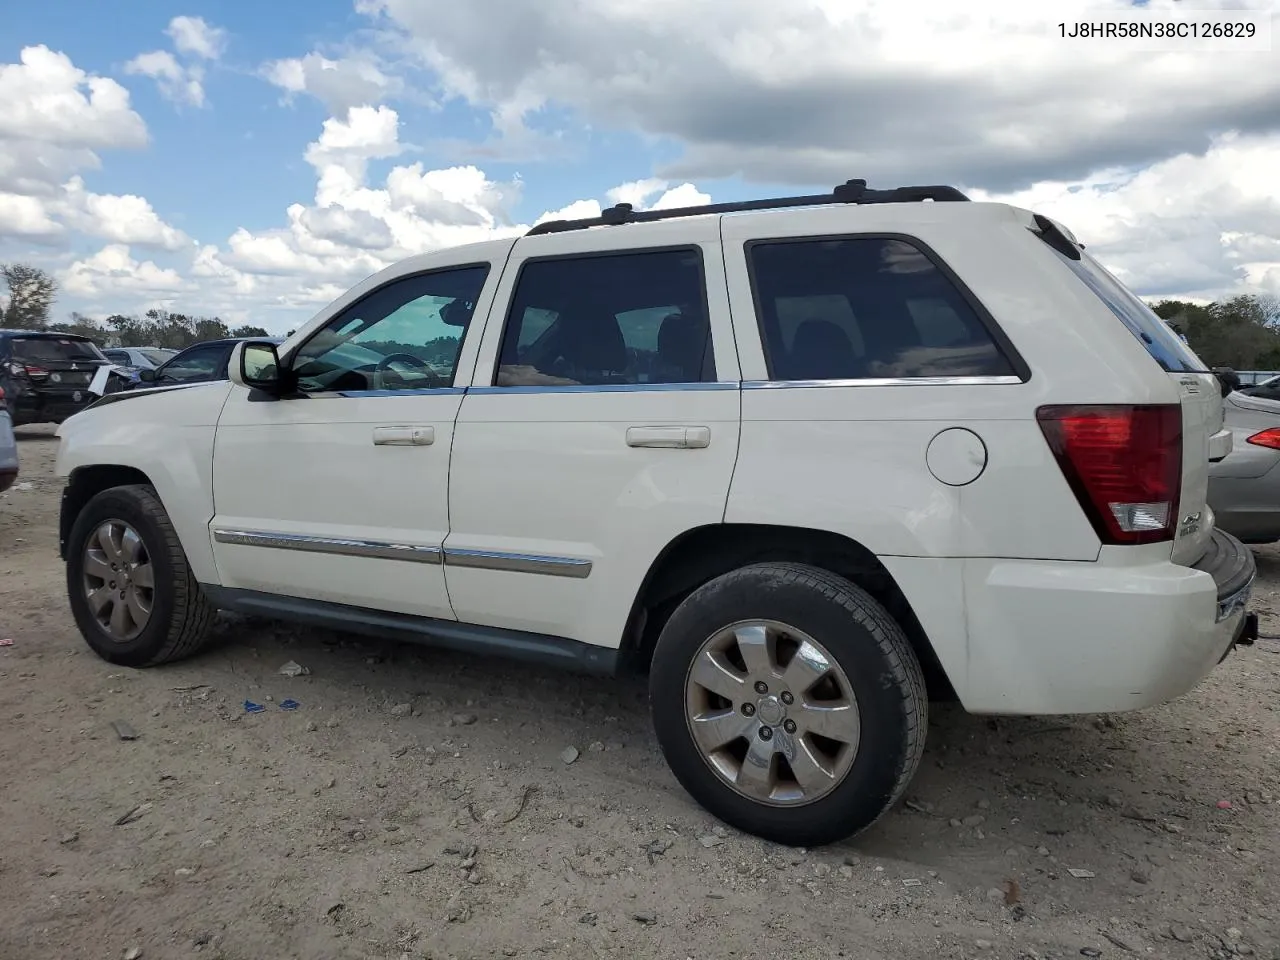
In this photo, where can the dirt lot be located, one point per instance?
(417, 804)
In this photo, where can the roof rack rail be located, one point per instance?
(852, 191)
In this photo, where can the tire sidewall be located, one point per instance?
(758, 594)
(125, 504)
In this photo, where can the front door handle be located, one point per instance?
(670, 438)
(404, 436)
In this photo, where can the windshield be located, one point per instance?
(1165, 346)
(55, 350)
(158, 356)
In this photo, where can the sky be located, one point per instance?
(252, 161)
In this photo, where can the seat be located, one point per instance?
(821, 351)
(683, 342)
(592, 347)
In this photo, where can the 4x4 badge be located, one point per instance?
(1190, 524)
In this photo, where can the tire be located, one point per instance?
(875, 671)
(178, 614)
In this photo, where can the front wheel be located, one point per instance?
(788, 703)
(131, 591)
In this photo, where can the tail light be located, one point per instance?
(27, 370)
(1124, 464)
(1267, 438)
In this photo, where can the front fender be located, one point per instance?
(167, 436)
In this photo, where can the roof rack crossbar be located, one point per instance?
(852, 191)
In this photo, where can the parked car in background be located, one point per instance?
(139, 358)
(199, 363)
(46, 376)
(1268, 389)
(1244, 487)
(8, 447)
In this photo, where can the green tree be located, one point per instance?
(83, 326)
(1242, 332)
(248, 330)
(31, 295)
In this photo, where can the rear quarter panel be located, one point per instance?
(850, 457)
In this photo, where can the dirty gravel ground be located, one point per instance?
(454, 827)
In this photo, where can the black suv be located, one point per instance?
(45, 376)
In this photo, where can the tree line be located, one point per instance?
(1241, 332)
(32, 293)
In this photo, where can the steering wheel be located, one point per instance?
(384, 367)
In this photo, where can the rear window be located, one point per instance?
(1163, 344)
(55, 349)
(866, 308)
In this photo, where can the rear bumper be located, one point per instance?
(1051, 637)
(38, 407)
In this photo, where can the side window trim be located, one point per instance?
(1021, 369)
(474, 328)
(508, 314)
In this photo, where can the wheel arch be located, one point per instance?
(85, 483)
(704, 553)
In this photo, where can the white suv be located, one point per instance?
(798, 458)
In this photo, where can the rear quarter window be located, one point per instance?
(868, 308)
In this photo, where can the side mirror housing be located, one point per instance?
(147, 375)
(256, 365)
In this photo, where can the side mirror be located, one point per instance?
(147, 375)
(256, 365)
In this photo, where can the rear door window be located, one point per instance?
(609, 319)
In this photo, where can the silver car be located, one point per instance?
(1244, 487)
(8, 447)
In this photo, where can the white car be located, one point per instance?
(795, 457)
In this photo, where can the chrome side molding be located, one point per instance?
(347, 548)
(385, 550)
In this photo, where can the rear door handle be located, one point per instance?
(404, 436)
(670, 438)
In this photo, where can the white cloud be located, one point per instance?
(818, 91)
(112, 272)
(126, 219)
(368, 133)
(356, 226)
(182, 83)
(176, 82)
(193, 36)
(28, 218)
(48, 100)
(1189, 225)
(54, 120)
(354, 81)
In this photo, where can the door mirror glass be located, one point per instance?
(255, 364)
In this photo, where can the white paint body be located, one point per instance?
(1026, 610)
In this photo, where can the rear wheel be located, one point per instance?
(131, 590)
(788, 703)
